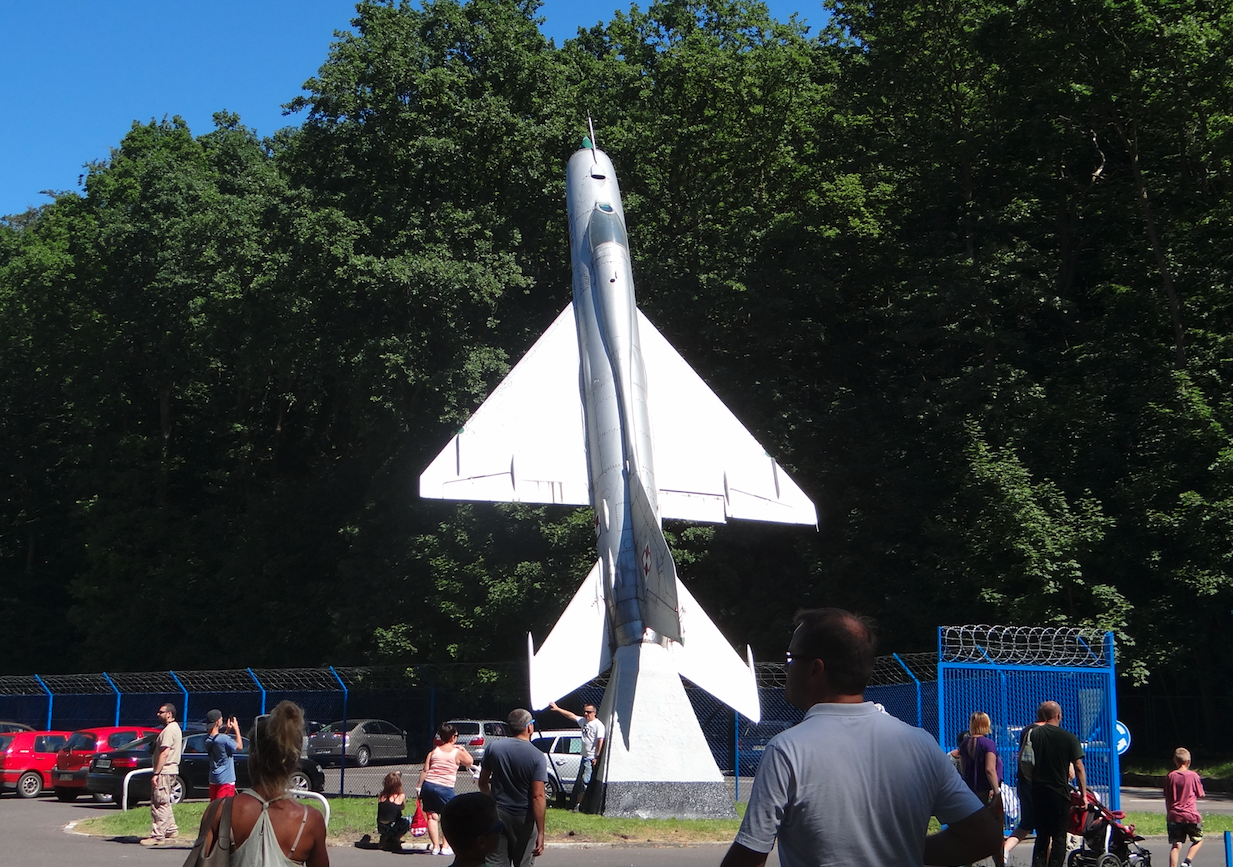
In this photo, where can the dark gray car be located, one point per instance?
(367, 740)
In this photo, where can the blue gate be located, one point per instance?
(1007, 671)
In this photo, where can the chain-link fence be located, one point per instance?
(1003, 671)
(1007, 671)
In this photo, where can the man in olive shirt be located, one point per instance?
(166, 751)
(1056, 749)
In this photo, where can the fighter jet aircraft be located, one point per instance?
(602, 411)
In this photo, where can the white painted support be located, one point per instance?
(305, 793)
(653, 733)
(127, 777)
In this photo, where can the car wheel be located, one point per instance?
(552, 791)
(101, 798)
(179, 790)
(29, 784)
(363, 756)
(300, 780)
(66, 795)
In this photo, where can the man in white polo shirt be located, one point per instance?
(849, 784)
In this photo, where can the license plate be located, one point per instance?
(324, 752)
(103, 763)
(65, 776)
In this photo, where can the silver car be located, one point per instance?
(365, 741)
(476, 735)
(563, 750)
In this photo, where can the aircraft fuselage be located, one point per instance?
(613, 384)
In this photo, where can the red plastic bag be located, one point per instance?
(419, 822)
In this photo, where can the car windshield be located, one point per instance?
(466, 728)
(137, 744)
(81, 741)
(336, 728)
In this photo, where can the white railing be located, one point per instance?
(299, 793)
(124, 785)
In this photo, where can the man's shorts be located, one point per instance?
(1179, 831)
(584, 772)
(221, 790)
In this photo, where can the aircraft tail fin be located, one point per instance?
(576, 650)
(659, 603)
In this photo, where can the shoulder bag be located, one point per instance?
(1027, 755)
(220, 855)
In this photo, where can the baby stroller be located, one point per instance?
(1105, 841)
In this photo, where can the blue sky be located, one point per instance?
(77, 74)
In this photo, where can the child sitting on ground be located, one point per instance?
(1182, 819)
(471, 826)
(391, 823)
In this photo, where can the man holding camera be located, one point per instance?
(222, 748)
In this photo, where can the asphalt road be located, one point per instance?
(32, 834)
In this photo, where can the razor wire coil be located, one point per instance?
(1074, 647)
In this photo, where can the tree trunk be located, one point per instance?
(1153, 237)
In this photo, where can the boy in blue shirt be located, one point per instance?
(222, 748)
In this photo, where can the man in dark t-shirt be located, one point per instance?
(514, 773)
(1055, 749)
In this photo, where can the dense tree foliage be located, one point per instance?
(964, 268)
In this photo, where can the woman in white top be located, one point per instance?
(436, 785)
(268, 827)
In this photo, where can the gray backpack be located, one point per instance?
(1027, 755)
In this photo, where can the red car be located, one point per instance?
(73, 762)
(26, 760)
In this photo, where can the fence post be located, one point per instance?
(941, 692)
(116, 690)
(432, 703)
(183, 690)
(342, 763)
(1228, 848)
(1115, 761)
(736, 751)
(920, 713)
(51, 700)
(259, 686)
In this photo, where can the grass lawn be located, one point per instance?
(352, 818)
(1153, 824)
(1221, 768)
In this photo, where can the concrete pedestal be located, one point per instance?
(656, 763)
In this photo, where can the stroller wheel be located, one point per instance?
(1074, 858)
(1108, 859)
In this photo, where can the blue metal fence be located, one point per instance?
(1007, 672)
(1003, 671)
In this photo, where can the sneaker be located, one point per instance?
(151, 841)
(446, 850)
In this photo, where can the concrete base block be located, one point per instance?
(667, 801)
